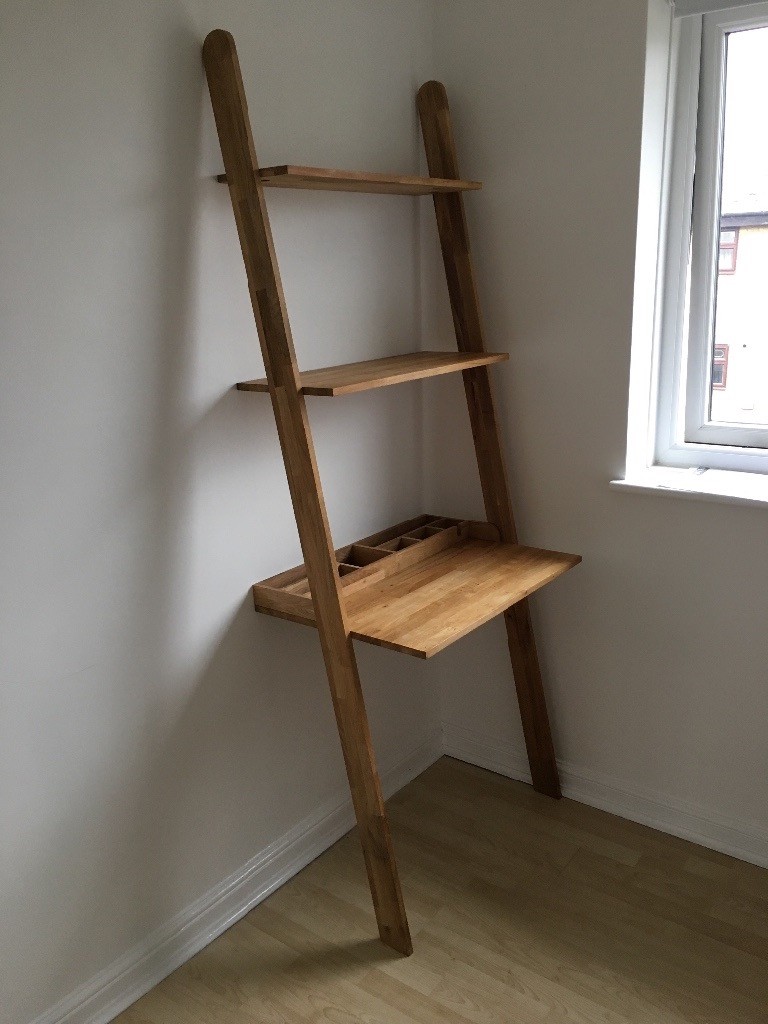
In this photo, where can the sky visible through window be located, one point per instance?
(745, 143)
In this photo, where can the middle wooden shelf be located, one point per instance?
(379, 373)
(421, 585)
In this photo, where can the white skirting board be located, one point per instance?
(744, 840)
(141, 968)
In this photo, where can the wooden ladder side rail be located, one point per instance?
(442, 162)
(231, 113)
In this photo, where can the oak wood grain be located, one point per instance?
(327, 179)
(433, 603)
(379, 373)
(420, 599)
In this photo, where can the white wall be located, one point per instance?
(155, 733)
(654, 650)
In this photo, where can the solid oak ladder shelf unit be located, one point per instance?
(422, 584)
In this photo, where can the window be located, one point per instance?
(720, 367)
(706, 381)
(729, 245)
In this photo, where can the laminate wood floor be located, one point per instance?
(523, 909)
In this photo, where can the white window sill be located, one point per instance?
(710, 485)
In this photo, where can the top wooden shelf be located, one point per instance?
(323, 178)
(347, 378)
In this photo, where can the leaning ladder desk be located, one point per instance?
(422, 584)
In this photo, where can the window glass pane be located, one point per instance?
(726, 262)
(740, 393)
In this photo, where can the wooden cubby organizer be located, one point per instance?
(418, 586)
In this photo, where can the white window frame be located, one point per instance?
(674, 415)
